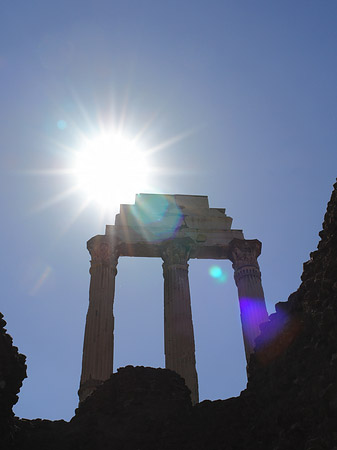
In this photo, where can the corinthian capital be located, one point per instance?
(244, 252)
(176, 253)
(103, 251)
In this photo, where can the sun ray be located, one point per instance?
(46, 172)
(146, 126)
(171, 141)
(123, 115)
(56, 199)
(84, 113)
(76, 214)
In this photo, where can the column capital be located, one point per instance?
(103, 251)
(176, 253)
(244, 252)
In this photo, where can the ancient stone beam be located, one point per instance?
(141, 228)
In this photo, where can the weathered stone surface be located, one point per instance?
(140, 228)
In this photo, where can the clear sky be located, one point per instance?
(244, 95)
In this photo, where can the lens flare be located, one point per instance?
(254, 307)
(161, 216)
(43, 277)
(61, 124)
(218, 274)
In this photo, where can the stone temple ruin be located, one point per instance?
(174, 228)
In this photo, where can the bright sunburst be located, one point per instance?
(110, 169)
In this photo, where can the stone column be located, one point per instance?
(243, 254)
(97, 361)
(178, 324)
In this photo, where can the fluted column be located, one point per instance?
(243, 254)
(178, 324)
(97, 362)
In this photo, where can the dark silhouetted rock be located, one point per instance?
(136, 406)
(12, 373)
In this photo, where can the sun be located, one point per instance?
(111, 169)
(105, 166)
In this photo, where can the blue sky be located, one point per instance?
(251, 85)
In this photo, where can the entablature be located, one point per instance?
(155, 219)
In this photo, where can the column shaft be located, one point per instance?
(247, 275)
(178, 324)
(97, 361)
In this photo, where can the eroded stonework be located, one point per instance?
(176, 253)
(140, 229)
(102, 251)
